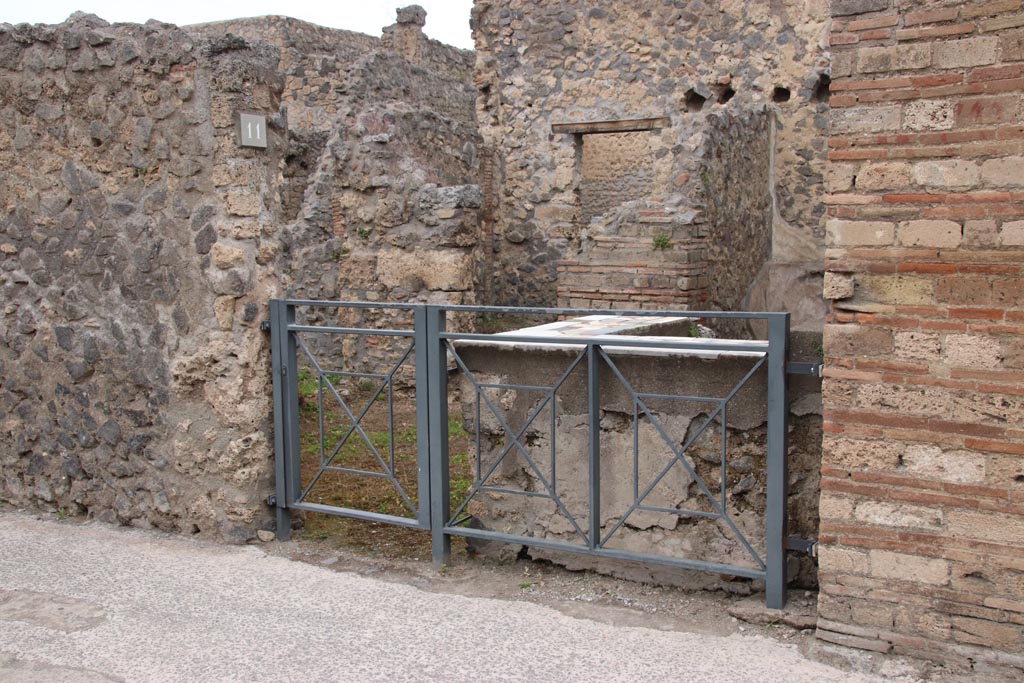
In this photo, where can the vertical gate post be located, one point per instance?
(293, 447)
(437, 429)
(594, 442)
(422, 418)
(778, 476)
(277, 332)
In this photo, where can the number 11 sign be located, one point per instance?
(252, 130)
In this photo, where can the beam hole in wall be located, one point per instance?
(694, 101)
(724, 93)
(821, 88)
(780, 94)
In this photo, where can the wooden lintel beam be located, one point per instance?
(625, 126)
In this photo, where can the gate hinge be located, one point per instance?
(807, 546)
(265, 326)
(272, 500)
(815, 369)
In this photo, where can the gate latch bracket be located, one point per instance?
(814, 369)
(806, 546)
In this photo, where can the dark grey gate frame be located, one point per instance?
(432, 344)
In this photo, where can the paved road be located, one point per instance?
(95, 604)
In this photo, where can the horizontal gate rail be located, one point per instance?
(437, 352)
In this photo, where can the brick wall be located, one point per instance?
(922, 506)
(649, 258)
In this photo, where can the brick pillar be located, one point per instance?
(922, 503)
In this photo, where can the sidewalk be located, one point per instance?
(95, 604)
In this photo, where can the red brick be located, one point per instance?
(992, 375)
(943, 325)
(977, 197)
(992, 446)
(989, 328)
(936, 80)
(977, 314)
(927, 268)
(988, 269)
(891, 494)
(975, 490)
(935, 31)
(967, 151)
(922, 436)
(896, 321)
(930, 16)
(842, 373)
(926, 381)
(926, 311)
(889, 254)
(1002, 85)
(857, 154)
(995, 73)
(870, 84)
(955, 136)
(955, 211)
(859, 531)
(843, 38)
(840, 101)
(905, 421)
(876, 34)
(895, 480)
(1011, 389)
(912, 198)
(871, 96)
(894, 366)
(873, 22)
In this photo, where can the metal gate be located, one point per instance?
(422, 352)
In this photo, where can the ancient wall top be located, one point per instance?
(413, 14)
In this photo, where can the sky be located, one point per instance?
(447, 20)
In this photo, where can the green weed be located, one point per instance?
(455, 429)
(309, 385)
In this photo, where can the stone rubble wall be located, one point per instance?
(390, 211)
(922, 506)
(138, 248)
(615, 168)
(140, 244)
(543, 63)
(738, 214)
(313, 61)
